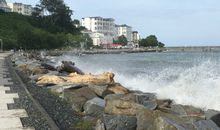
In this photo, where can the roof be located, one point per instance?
(123, 25)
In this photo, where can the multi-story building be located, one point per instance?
(4, 7)
(97, 38)
(99, 25)
(21, 8)
(124, 30)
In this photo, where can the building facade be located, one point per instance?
(4, 7)
(21, 8)
(135, 38)
(100, 26)
(97, 38)
(124, 30)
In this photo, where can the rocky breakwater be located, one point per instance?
(108, 105)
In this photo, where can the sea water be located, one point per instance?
(187, 78)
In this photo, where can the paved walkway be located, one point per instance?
(9, 119)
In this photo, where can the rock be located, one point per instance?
(60, 88)
(119, 122)
(164, 103)
(117, 89)
(103, 90)
(94, 107)
(178, 109)
(32, 69)
(210, 113)
(100, 125)
(151, 105)
(78, 97)
(49, 66)
(38, 70)
(193, 111)
(118, 104)
(100, 90)
(164, 123)
(145, 119)
(214, 116)
(206, 125)
(147, 99)
(157, 120)
(69, 67)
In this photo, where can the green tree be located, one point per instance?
(121, 40)
(150, 41)
(160, 44)
(77, 40)
(56, 14)
(88, 41)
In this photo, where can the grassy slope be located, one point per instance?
(10, 24)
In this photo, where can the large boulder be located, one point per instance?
(103, 90)
(119, 122)
(117, 88)
(60, 88)
(157, 120)
(213, 115)
(100, 125)
(94, 107)
(205, 125)
(69, 66)
(165, 123)
(193, 111)
(100, 90)
(145, 119)
(118, 104)
(78, 97)
(148, 100)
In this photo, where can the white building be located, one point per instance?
(100, 26)
(97, 38)
(124, 30)
(21, 8)
(4, 6)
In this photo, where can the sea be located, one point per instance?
(188, 78)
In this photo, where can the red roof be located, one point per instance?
(115, 45)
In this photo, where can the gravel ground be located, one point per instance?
(60, 111)
(35, 119)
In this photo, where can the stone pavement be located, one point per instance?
(9, 119)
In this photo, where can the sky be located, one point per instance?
(174, 22)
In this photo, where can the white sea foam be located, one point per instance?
(198, 85)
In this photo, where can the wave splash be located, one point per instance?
(198, 85)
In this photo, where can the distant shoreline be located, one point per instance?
(106, 51)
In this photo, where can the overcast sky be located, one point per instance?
(174, 22)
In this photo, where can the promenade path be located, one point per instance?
(9, 119)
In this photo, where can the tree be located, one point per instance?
(121, 40)
(76, 40)
(56, 14)
(160, 44)
(150, 41)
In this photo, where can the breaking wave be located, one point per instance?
(197, 84)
